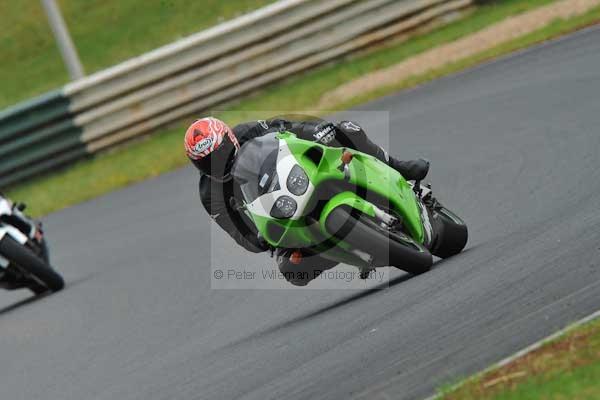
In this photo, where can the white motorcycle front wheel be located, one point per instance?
(44, 276)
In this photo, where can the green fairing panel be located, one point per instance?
(295, 233)
(365, 171)
(346, 198)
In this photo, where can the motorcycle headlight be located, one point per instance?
(284, 207)
(297, 181)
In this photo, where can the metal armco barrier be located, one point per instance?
(197, 73)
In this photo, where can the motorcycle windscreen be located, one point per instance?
(255, 167)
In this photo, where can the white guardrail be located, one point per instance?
(233, 58)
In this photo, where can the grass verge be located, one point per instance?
(163, 152)
(564, 368)
(105, 32)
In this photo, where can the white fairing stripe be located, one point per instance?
(5, 207)
(14, 233)
(33, 229)
(285, 162)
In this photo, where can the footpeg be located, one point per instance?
(364, 274)
(426, 191)
(365, 270)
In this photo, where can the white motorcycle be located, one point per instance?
(24, 259)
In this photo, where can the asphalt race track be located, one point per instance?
(515, 148)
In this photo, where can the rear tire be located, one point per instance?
(38, 288)
(452, 235)
(387, 248)
(29, 262)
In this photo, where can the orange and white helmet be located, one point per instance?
(210, 145)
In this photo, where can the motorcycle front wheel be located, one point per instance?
(46, 279)
(388, 248)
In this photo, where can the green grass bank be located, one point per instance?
(564, 368)
(105, 32)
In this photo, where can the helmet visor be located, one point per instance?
(217, 163)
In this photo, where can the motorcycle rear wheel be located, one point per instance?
(453, 233)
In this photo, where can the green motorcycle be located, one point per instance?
(341, 204)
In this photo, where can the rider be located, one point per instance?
(211, 145)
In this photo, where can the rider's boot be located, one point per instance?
(411, 170)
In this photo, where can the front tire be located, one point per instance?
(388, 248)
(45, 277)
